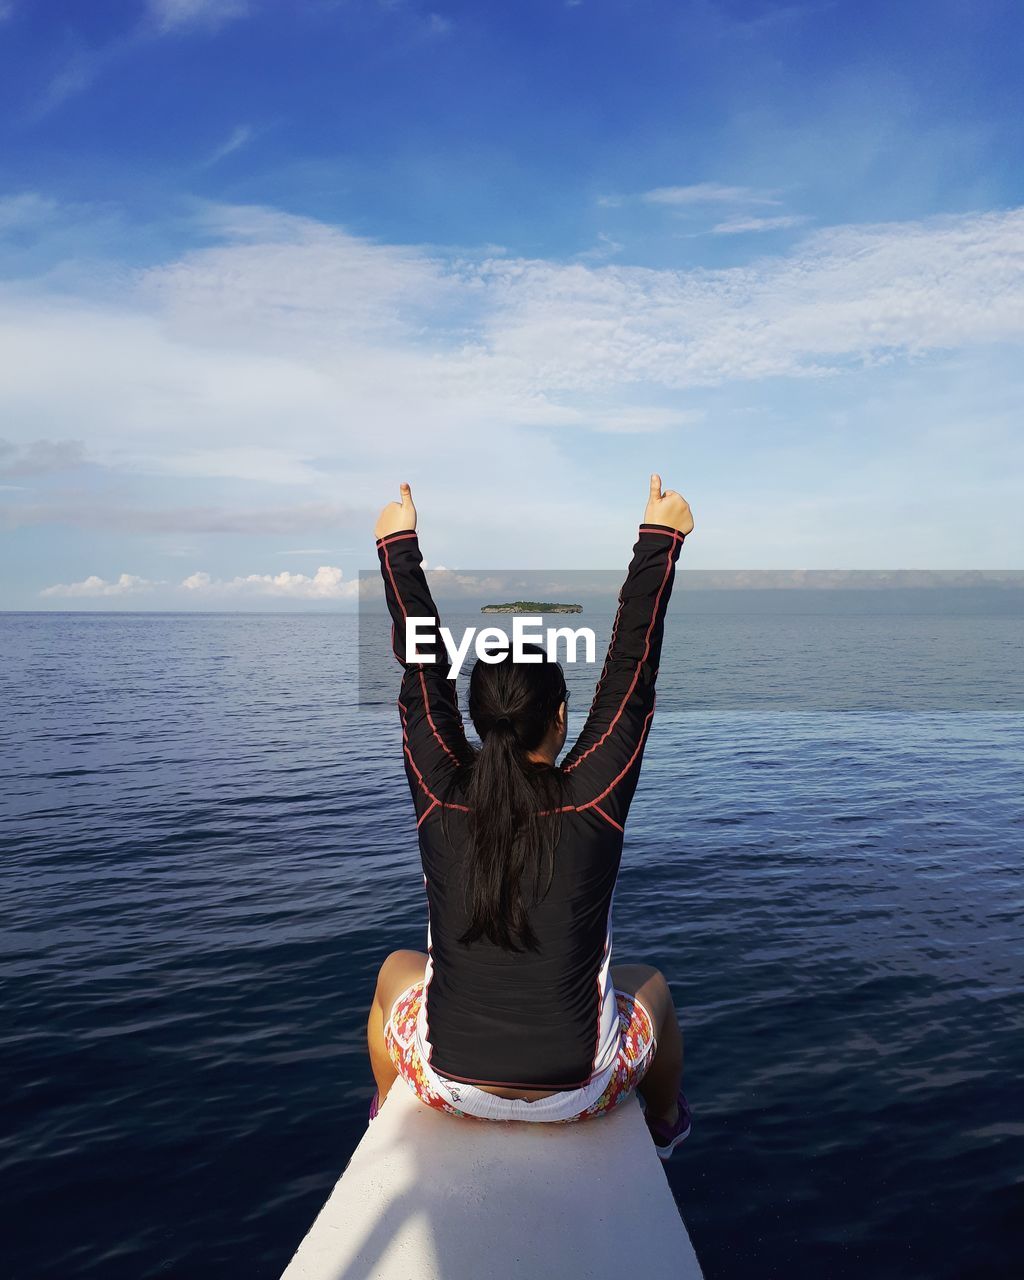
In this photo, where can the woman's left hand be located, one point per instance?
(397, 516)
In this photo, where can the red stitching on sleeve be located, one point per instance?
(669, 533)
(387, 540)
(427, 812)
(609, 819)
(423, 683)
(419, 776)
(430, 718)
(636, 674)
(611, 787)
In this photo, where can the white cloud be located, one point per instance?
(126, 584)
(173, 15)
(291, 340)
(740, 226)
(843, 295)
(290, 352)
(325, 584)
(295, 321)
(236, 139)
(708, 193)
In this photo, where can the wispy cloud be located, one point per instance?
(708, 193)
(741, 226)
(169, 16)
(78, 72)
(326, 584)
(607, 247)
(239, 137)
(696, 193)
(160, 19)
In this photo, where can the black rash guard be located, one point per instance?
(530, 1020)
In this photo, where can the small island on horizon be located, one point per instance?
(531, 606)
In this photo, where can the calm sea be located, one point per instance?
(208, 849)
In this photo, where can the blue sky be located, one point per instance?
(259, 262)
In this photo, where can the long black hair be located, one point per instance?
(512, 706)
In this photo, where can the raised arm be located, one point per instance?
(434, 740)
(604, 763)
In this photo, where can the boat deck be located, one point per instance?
(428, 1196)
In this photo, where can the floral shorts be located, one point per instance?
(636, 1053)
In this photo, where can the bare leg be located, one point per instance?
(663, 1079)
(398, 972)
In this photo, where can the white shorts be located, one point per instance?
(636, 1052)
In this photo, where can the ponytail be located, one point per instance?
(513, 705)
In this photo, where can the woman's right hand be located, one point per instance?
(397, 516)
(669, 508)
